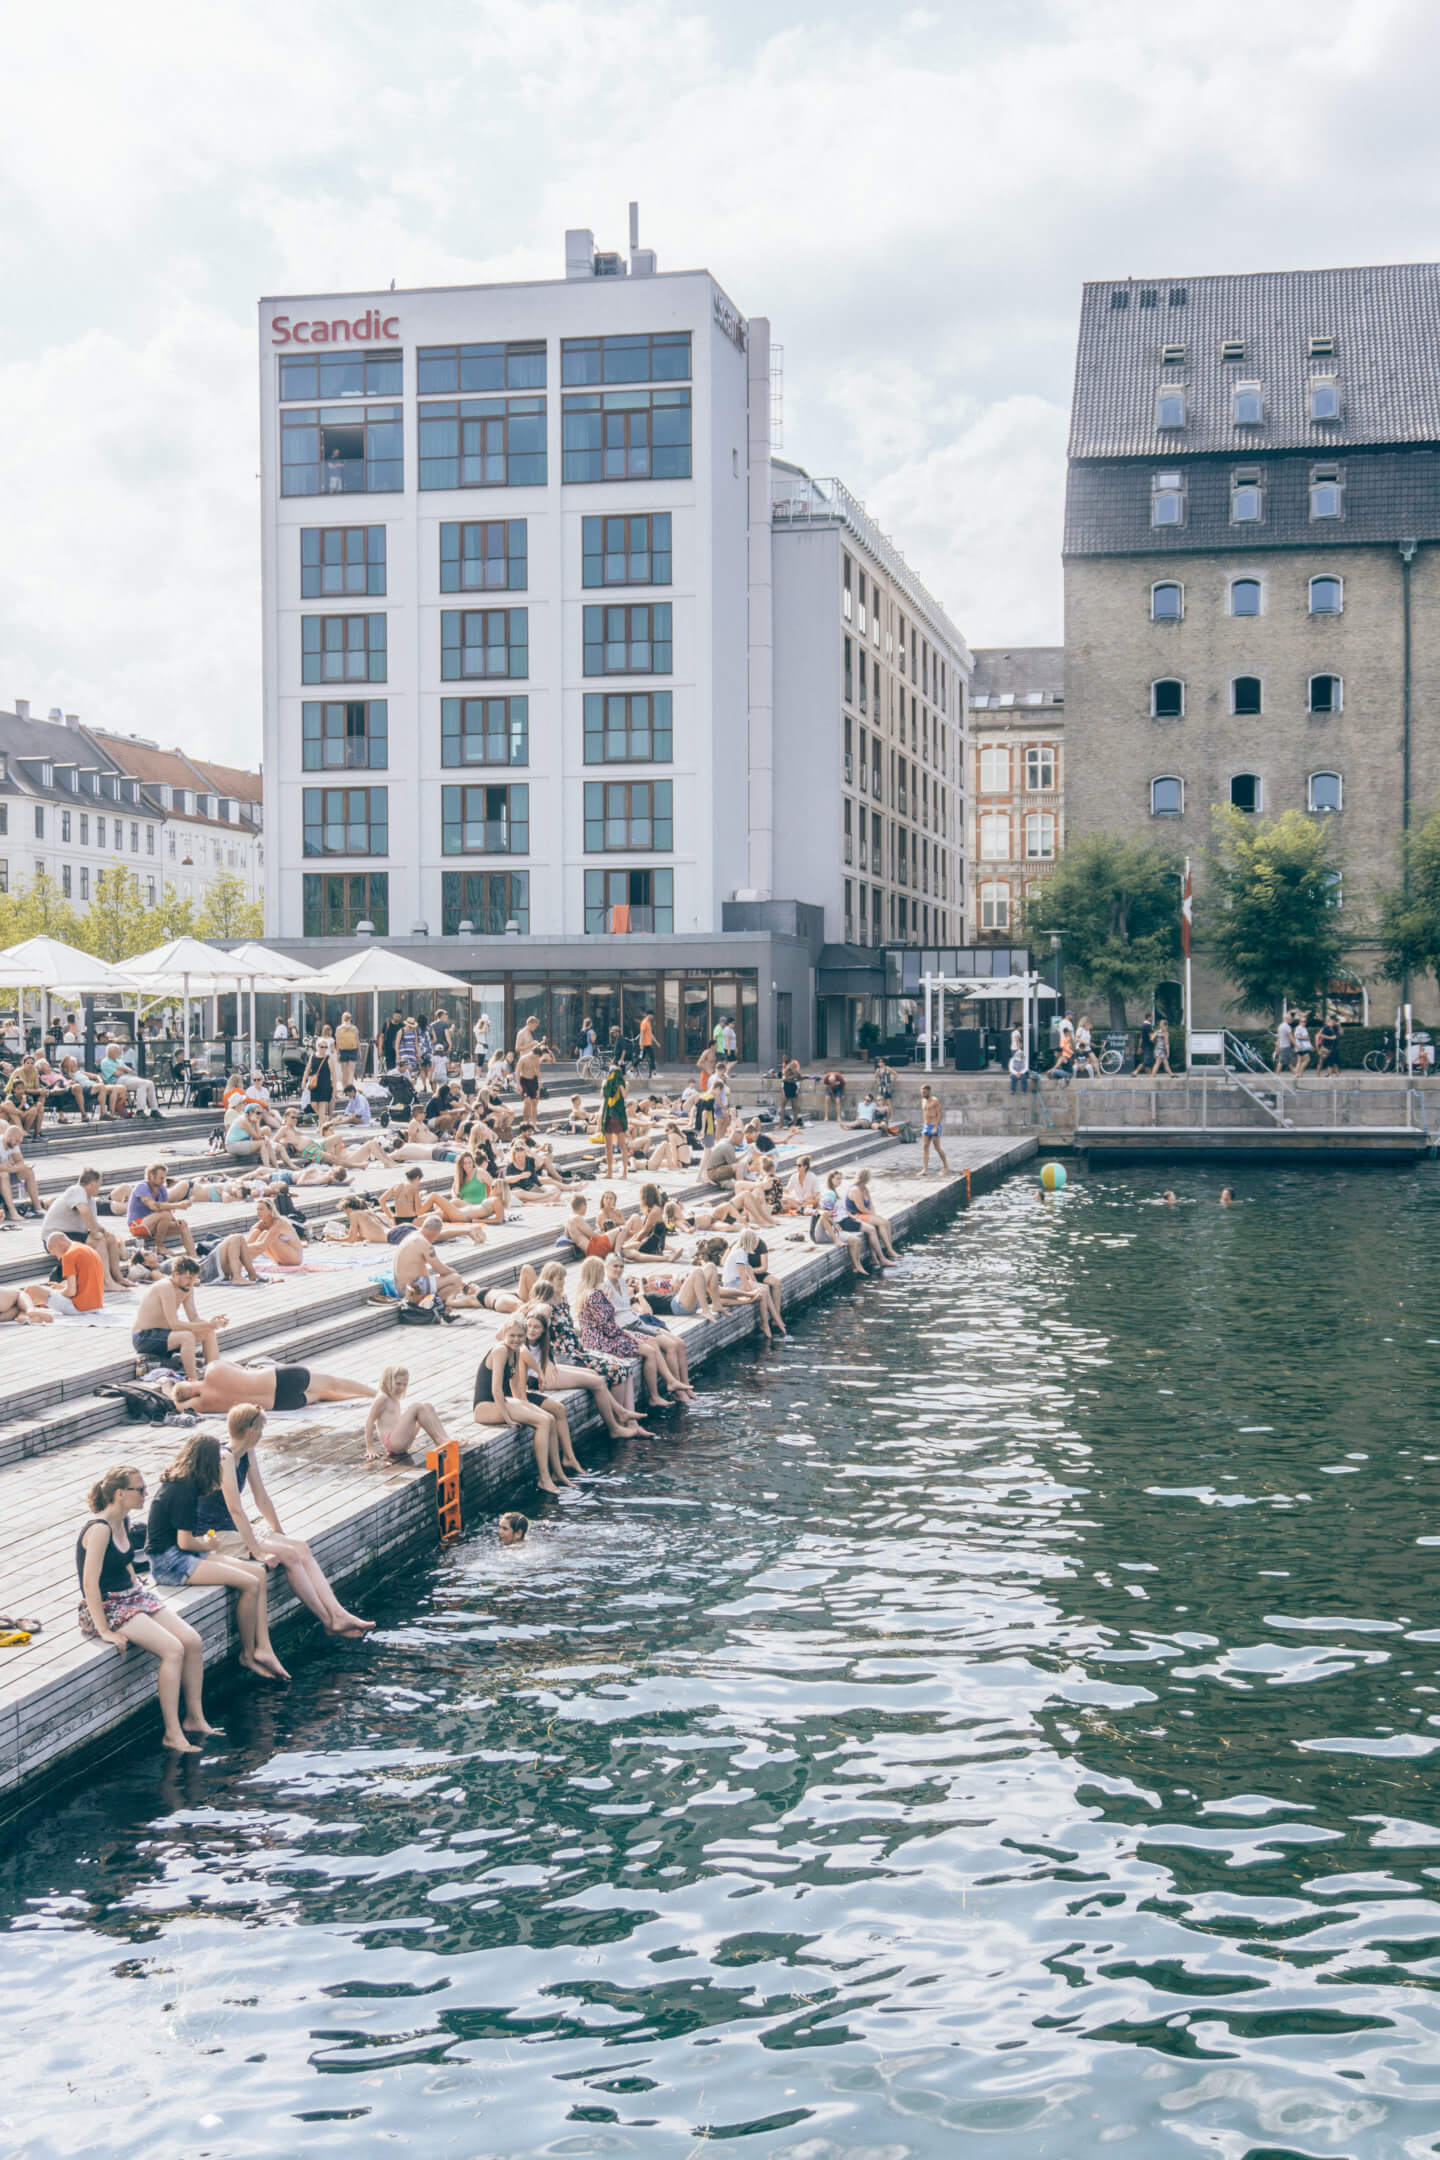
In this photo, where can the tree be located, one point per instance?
(1410, 914)
(118, 921)
(40, 909)
(226, 910)
(1272, 922)
(1117, 907)
(173, 918)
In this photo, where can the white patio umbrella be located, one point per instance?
(283, 969)
(1024, 987)
(192, 968)
(46, 964)
(374, 968)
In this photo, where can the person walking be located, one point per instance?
(790, 1090)
(932, 1127)
(1284, 1045)
(1304, 1048)
(647, 1043)
(1328, 1043)
(615, 1120)
(1162, 1046)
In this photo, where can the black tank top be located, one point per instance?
(114, 1567)
(487, 1388)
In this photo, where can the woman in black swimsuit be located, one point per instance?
(502, 1398)
(117, 1609)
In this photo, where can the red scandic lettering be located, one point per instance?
(390, 327)
(339, 330)
(319, 333)
(301, 333)
(280, 330)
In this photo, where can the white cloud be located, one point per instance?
(914, 202)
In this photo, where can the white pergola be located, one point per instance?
(1028, 988)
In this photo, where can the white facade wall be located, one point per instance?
(708, 594)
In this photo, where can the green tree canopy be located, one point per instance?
(1271, 920)
(118, 921)
(1117, 907)
(227, 911)
(1410, 921)
(39, 909)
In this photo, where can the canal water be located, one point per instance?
(1005, 1718)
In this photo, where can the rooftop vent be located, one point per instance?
(1232, 348)
(56, 714)
(1148, 296)
(1322, 348)
(1178, 296)
(22, 708)
(1119, 298)
(609, 265)
(1173, 355)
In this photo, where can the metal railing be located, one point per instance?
(1214, 1103)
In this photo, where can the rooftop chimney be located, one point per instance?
(22, 708)
(642, 260)
(72, 719)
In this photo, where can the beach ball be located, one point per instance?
(1052, 1177)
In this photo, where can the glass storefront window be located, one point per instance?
(670, 1040)
(697, 1019)
(603, 1006)
(566, 1001)
(531, 1002)
(749, 1020)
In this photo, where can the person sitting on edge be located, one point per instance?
(14, 1165)
(167, 1321)
(876, 1226)
(273, 1238)
(75, 1212)
(273, 1387)
(181, 1552)
(151, 1215)
(119, 1074)
(81, 1285)
(265, 1540)
(393, 1425)
(117, 1609)
(502, 1397)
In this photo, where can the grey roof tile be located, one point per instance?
(1017, 670)
(1385, 322)
(1390, 495)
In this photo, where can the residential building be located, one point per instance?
(75, 801)
(1017, 783)
(534, 704)
(1252, 587)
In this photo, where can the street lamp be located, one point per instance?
(1056, 942)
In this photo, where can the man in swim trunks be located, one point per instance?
(273, 1387)
(527, 1072)
(417, 1265)
(151, 1215)
(168, 1321)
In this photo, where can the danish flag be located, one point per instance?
(1186, 911)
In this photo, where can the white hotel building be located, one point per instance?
(557, 659)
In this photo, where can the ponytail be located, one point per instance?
(113, 1481)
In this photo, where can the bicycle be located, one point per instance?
(1114, 1054)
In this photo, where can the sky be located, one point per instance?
(913, 196)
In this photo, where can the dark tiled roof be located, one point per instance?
(1385, 323)
(1390, 495)
(1019, 670)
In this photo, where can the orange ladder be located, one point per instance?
(445, 1462)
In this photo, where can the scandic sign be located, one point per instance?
(365, 329)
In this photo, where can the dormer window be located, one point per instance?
(1167, 499)
(1247, 496)
(1170, 406)
(1327, 491)
(1324, 397)
(1247, 405)
(132, 791)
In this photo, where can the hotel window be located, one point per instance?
(1324, 398)
(1244, 596)
(629, 902)
(1247, 497)
(484, 642)
(485, 820)
(485, 557)
(627, 435)
(1247, 405)
(1170, 407)
(1167, 699)
(330, 450)
(994, 907)
(483, 442)
(877, 840)
(628, 814)
(4, 873)
(1039, 835)
(1327, 694)
(485, 731)
(1324, 791)
(349, 736)
(628, 727)
(1039, 767)
(876, 767)
(1246, 695)
(1245, 791)
(1335, 888)
(994, 836)
(849, 911)
(150, 892)
(626, 550)
(663, 356)
(517, 366)
(1167, 498)
(1327, 596)
(1167, 601)
(994, 769)
(628, 640)
(65, 826)
(847, 597)
(489, 900)
(342, 375)
(342, 648)
(1167, 797)
(335, 906)
(1327, 491)
(340, 561)
(347, 821)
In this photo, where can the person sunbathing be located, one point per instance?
(272, 1387)
(358, 1224)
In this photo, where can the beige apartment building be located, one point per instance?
(1252, 592)
(1017, 783)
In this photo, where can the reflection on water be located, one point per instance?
(1009, 1708)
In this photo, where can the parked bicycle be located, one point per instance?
(1422, 1057)
(1114, 1054)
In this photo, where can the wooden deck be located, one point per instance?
(63, 1700)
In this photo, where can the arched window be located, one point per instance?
(1167, 796)
(1327, 693)
(1247, 405)
(995, 836)
(1246, 695)
(1167, 601)
(1245, 791)
(1327, 595)
(1245, 596)
(1325, 791)
(1170, 406)
(1167, 498)
(1167, 699)
(994, 907)
(1247, 498)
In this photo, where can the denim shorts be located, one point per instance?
(173, 1566)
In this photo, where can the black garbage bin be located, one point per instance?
(970, 1049)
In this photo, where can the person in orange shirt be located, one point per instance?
(81, 1285)
(647, 1042)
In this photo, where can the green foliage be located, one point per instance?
(37, 909)
(227, 912)
(1410, 921)
(1117, 907)
(1270, 919)
(118, 922)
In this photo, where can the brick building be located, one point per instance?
(1252, 588)
(1016, 797)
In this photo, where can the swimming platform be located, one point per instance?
(66, 1703)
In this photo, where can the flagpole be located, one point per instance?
(1185, 905)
